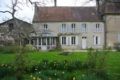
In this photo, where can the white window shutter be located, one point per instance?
(66, 29)
(67, 38)
(60, 29)
(61, 40)
(99, 41)
(76, 40)
(80, 28)
(100, 28)
(70, 43)
(94, 40)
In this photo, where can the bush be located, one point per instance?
(101, 73)
(6, 70)
(65, 53)
(30, 48)
(9, 49)
(117, 46)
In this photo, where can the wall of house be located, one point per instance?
(78, 33)
(113, 29)
(4, 28)
(10, 32)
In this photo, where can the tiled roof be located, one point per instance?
(67, 14)
(112, 8)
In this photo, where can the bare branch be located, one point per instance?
(6, 12)
(87, 2)
(30, 1)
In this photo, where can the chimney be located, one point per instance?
(55, 3)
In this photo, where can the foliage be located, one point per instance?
(97, 62)
(30, 48)
(106, 65)
(65, 53)
(5, 70)
(117, 46)
(21, 62)
(9, 49)
(92, 58)
(62, 75)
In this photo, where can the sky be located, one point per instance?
(26, 11)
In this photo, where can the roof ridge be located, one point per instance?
(67, 7)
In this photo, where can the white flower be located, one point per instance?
(39, 72)
(73, 78)
(83, 75)
(34, 78)
(31, 75)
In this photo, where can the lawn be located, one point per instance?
(36, 57)
(113, 59)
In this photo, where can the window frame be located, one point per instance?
(73, 40)
(63, 40)
(97, 40)
(10, 26)
(63, 28)
(97, 28)
(73, 26)
(45, 26)
(84, 27)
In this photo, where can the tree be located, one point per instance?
(20, 61)
(14, 4)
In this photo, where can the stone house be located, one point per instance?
(73, 28)
(109, 11)
(12, 29)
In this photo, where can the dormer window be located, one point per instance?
(45, 27)
(11, 26)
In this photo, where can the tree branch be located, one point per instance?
(6, 12)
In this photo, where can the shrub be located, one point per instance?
(71, 66)
(53, 65)
(65, 53)
(6, 69)
(30, 48)
(101, 73)
(91, 58)
(9, 49)
(117, 46)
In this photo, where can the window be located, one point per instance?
(97, 27)
(73, 27)
(96, 40)
(45, 27)
(63, 40)
(73, 39)
(44, 41)
(84, 28)
(63, 28)
(40, 41)
(11, 26)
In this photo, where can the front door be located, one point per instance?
(44, 43)
(84, 42)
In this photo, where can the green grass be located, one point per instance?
(113, 59)
(36, 57)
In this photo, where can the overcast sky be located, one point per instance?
(26, 12)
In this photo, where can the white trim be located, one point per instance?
(98, 38)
